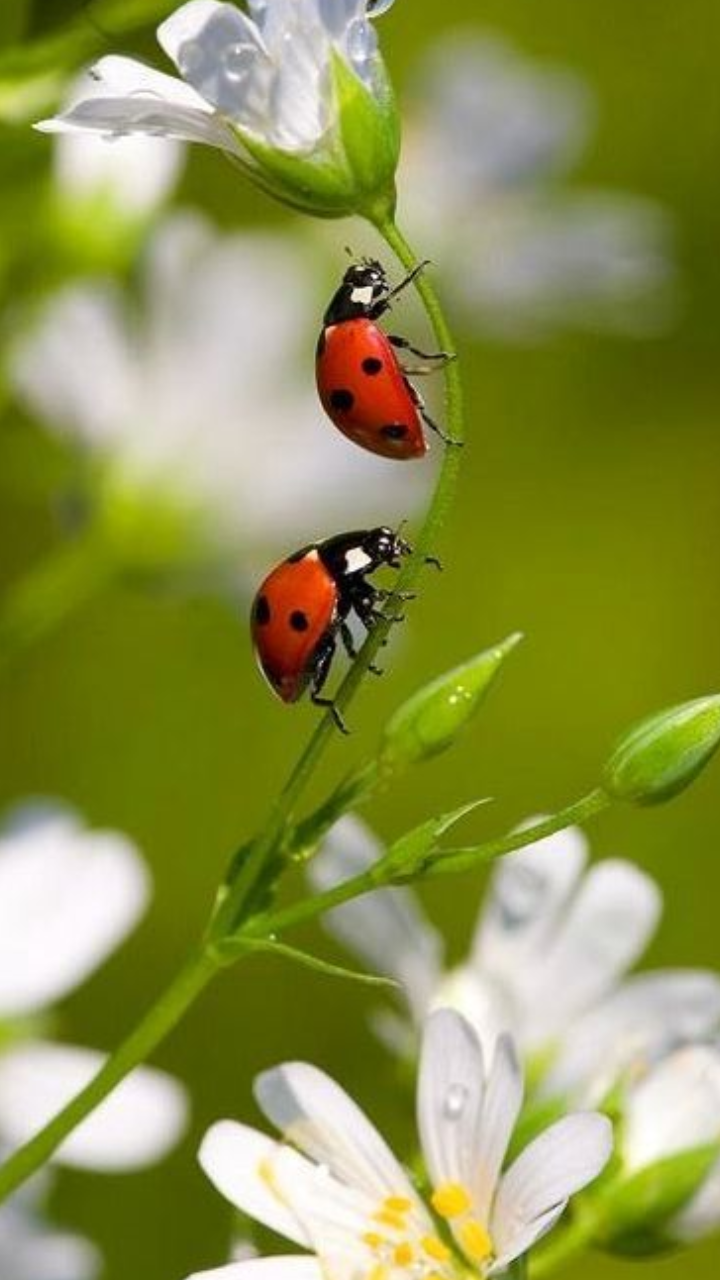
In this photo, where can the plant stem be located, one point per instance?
(232, 906)
(157, 1023)
(182, 992)
(379, 876)
(519, 1269)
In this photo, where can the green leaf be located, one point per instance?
(636, 1209)
(231, 949)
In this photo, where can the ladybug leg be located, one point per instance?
(381, 307)
(420, 403)
(346, 636)
(365, 604)
(320, 675)
(403, 344)
(433, 560)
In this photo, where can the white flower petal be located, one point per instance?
(523, 1240)
(239, 1161)
(220, 52)
(284, 1267)
(527, 894)
(676, 1107)
(136, 1125)
(480, 1000)
(31, 1251)
(136, 173)
(450, 1095)
(503, 1099)
(118, 117)
(649, 1014)
(561, 1161)
(315, 1114)
(387, 929)
(68, 897)
(605, 929)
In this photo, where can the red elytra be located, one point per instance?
(363, 387)
(365, 392)
(304, 603)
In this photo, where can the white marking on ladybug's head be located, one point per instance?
(356, 560)
(363, 295)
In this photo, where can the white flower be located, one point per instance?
(548, 961)
(674, 1109)
(132, 175)
(494, 139)
(334, 1187)
(68, 898)
(259, 86)
(197, 399)
(31, 1250)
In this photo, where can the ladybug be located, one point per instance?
(303, 605)
(362, 385)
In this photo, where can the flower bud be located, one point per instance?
(430, 721)
(663, 754)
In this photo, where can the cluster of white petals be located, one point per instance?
(197, 399)
(490, 147)
(266, 75)
(31, 1250)
(549, 960)
(332, 1185)
(69, 896)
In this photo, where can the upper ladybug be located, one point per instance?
(362, 385)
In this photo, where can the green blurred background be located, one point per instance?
(588, 517)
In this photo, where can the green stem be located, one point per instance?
(157, 1023)
(519, 1269)
(233, 904)
(381, 876)
(37, 604)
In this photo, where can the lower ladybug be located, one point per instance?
(362, 385)
(303, 605)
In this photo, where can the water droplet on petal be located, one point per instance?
(455, 1101)
(379, 7)
(237, 60)
(361, 44)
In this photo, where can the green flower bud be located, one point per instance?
(638, 1210)
(663, 754)
(431, 720)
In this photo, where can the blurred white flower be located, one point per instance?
(197, 399)
(548, 962)
(263, 87)
(32, 1250)
(136, 1125)
(68, 898)
(674, 1109)
(489, 147)
(132, 176)
(345, 1198)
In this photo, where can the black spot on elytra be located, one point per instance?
(321, 345)
(342, 399)
(299, 620)
(262, 611)
(394, 431)
(371, 365)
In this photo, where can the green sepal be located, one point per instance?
(410, 853)
(230, 949)
(433, 718)
(637, 1208)
(370, 133)
(663, 754)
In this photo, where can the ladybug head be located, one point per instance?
(385, 546)
(364, 292)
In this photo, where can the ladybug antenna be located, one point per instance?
(349, 251)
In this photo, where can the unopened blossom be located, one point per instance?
(197, 401)
(549, 960)
(492, 140)
(69, 896)
(295, 91)
(332, 1186)
(673, 1111)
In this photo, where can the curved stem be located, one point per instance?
(183, 991)
(157, 1023)
(232, 905)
